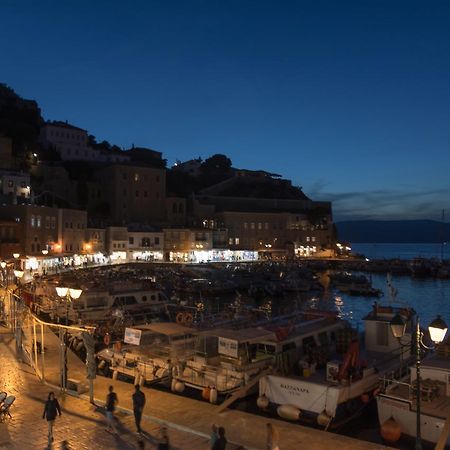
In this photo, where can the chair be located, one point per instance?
(5, 407)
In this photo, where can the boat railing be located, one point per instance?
(390, 387)
(225, 378)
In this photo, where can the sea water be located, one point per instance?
(402, 251)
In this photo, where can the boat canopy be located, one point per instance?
(166, 328)
(249, 335)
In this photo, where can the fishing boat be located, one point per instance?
(125, 301)
(335, 376)
(397, 401)
(149, 353)
(231, 359)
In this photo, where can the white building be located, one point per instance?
(145, 245)
(72, 144)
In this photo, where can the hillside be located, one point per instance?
(398, 231)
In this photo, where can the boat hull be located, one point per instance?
(402, 412)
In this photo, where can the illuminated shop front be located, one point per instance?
(215, 255)
(307, 250)
(146, 255)
(118, 256)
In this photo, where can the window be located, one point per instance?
(313, 239)
(259, 226)
(38, 221)
(266, 226)
(32, 248)
(230, 241)
(245, 225)
(156, 240)
(10, 183)
(308, 238)
(236, 241)
(252, 226)
(136, 177)
(131, 240)
(33, 221)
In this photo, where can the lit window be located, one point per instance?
(259, 226)
(38, 221)
(33, 221)
(313, 239)
(236, 241)
(230, 241)
(308, 238)
(252, 225)
(245, 225)
(266, 226)
(136, 177)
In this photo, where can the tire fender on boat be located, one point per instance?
(289, 412)
(213, 395)
(262, 402)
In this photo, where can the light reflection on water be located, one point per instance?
(429, 297)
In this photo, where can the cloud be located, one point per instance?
(384, 204)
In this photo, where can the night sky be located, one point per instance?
(350, 100)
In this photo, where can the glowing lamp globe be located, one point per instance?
(398, 326)
(437, 330)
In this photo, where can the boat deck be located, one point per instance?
(434, 402)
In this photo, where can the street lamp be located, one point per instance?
(69, 294)
(17, 325)
(437, 330)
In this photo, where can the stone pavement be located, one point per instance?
(82, 425)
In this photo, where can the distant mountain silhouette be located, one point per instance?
(398, 231)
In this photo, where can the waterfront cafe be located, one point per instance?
(214, 255)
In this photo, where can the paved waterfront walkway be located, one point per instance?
(189, 421)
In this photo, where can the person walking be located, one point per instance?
(138, 406)
(111, 402)
(221, 441)
(51, 410)
(272, 438)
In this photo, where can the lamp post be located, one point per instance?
(69, 294)
(17, 303)
(437, 330)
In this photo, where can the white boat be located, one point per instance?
(150, 354)
(334, 391)
(397, 400)
(229, 359)
(226, 359)
(132, 301)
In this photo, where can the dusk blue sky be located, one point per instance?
(349, 99)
